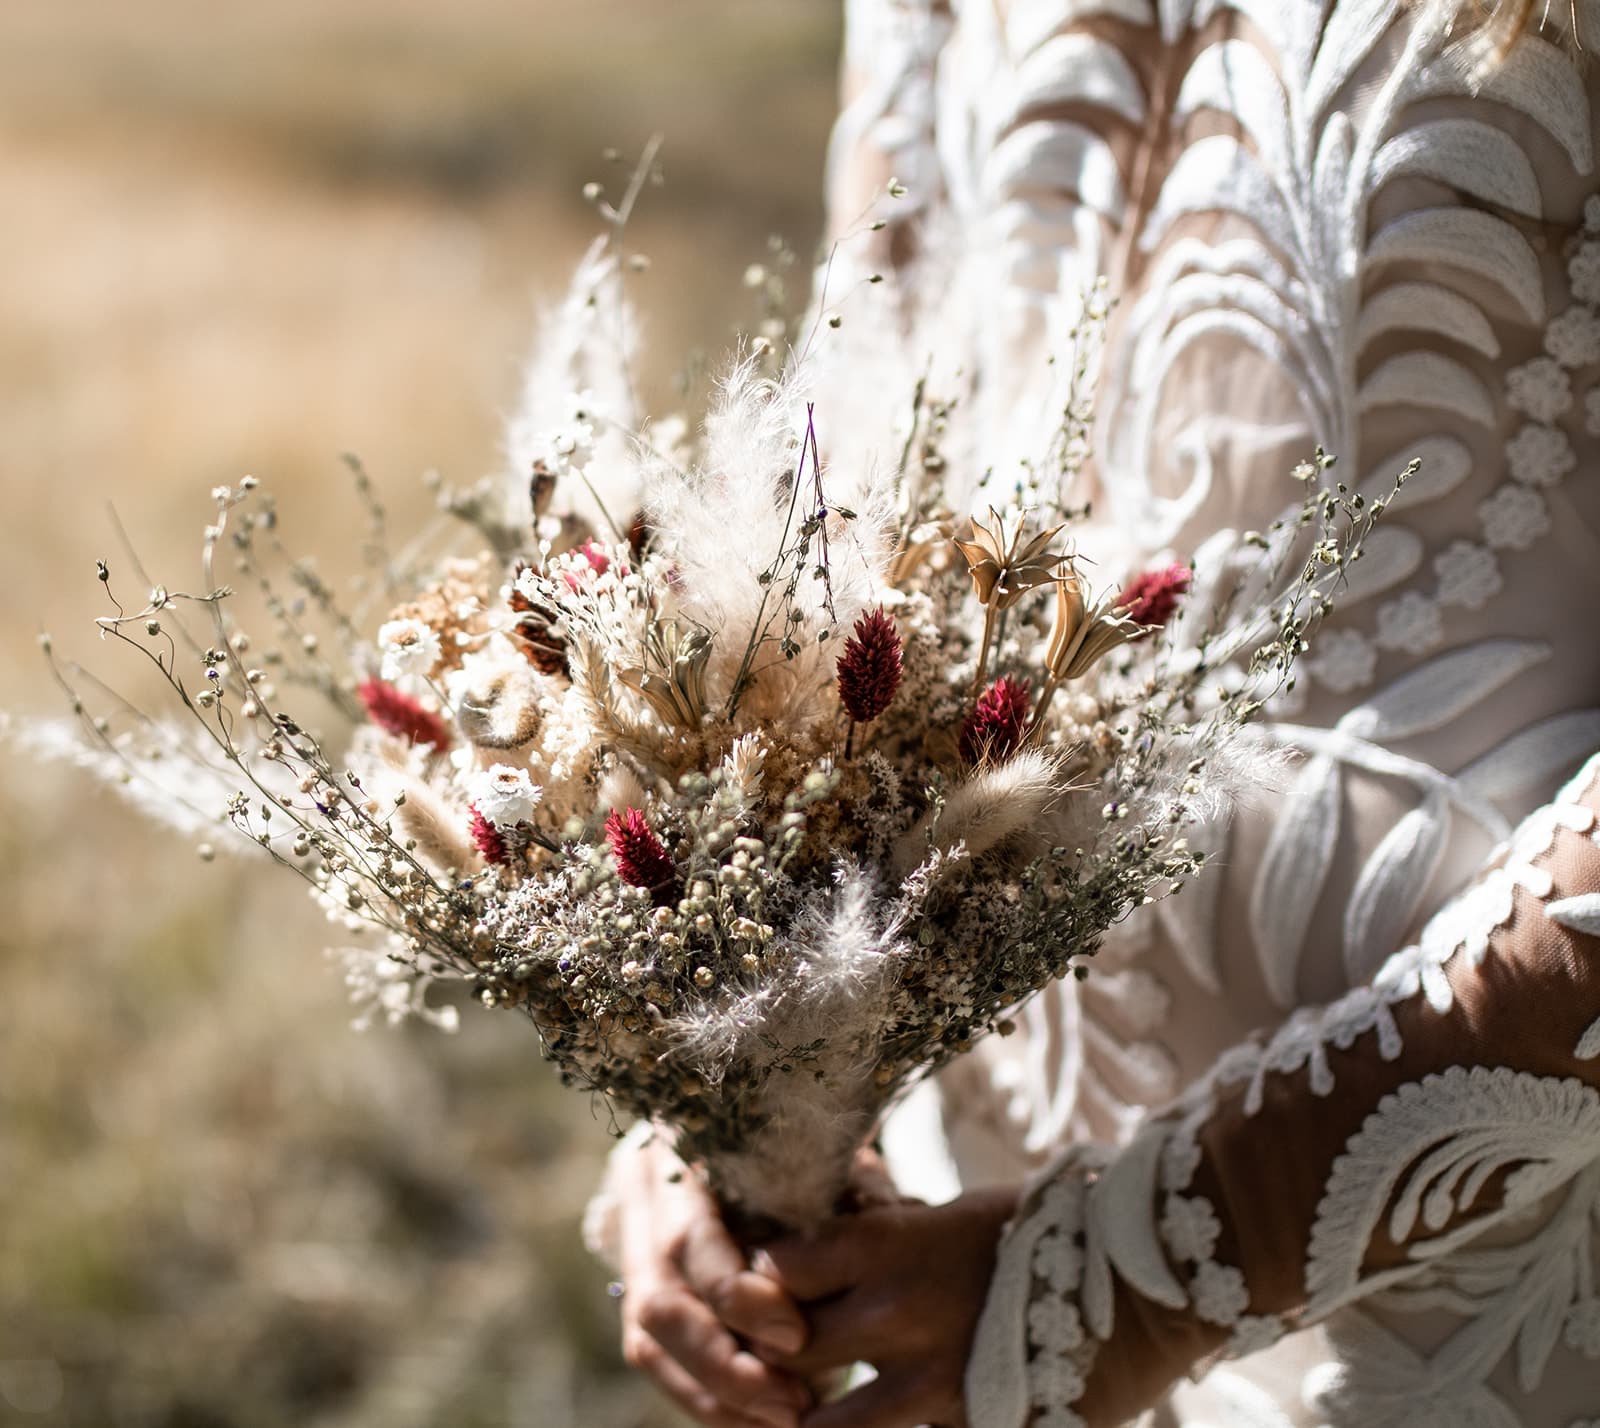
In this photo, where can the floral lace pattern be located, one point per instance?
(1381, 252)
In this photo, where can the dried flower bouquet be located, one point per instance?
(763, 773)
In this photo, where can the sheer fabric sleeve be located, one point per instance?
(1349, 1151)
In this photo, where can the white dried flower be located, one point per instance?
(408, 647)
(504, 795)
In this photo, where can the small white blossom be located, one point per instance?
(1583, 272)
(504, 795)
(408, 647)
(1573, 339)
(1540, 388)
(1539, 455)
(1190, 1227)
(1343, 660)
(1513, 517)
(1469, 575)
(1410, 622)
(1219, 1293)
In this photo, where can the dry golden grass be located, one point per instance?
(247, 237)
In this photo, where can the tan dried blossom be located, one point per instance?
(676, 684)
(1006, 566)
(455, 607)
(1086, 630)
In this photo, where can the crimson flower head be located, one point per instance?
(1150, 598)
(401, 715)
(870, 667)
(995, 727)
(642, 861)
(489, 840)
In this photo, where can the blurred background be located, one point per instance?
(246, 236)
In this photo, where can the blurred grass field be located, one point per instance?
(245, 237)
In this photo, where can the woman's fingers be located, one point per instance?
(859, 1326)
(751, 1304)
(696, 1341)
(903, 1397)
(833, 1259)
(645, 1354)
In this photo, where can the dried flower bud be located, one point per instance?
(642, 861)
(870, 667)
(399, 714)
(1151, 597)
(995, 727)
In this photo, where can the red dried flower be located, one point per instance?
(1150, 598)
(490, 841)
(641, 859)
(870, 667)
(995, 727)
(401, 715)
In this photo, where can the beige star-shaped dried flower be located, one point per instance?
(1005, 566)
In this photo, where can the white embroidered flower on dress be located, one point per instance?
(1411, 623)
(504, 795)
(1190, 1227)
(1513, 517)
(1573, 339)
(1054, 1325)
(1540, 388)
(1469, 575)
(1580, 1330)
(1253, 1333)
(1060, 1262)
(408, 647)
(1583, 272)
(1219, 1293)
(1342, 660)
(1055, 1381)
(1539, 455)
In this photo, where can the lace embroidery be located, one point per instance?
(1420, 1160)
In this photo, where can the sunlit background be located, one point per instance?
(246, 236)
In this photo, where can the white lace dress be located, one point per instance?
(1325, 1129)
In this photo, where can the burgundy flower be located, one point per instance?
(598, 561)
(995, 727)
(401, 715)
(490, 841)
(1150, 598)
(870, 667)
(642, 861)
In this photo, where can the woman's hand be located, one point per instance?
(899, 1286)
(689, 1296)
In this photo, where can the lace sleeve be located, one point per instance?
(1345, 1154)
(885, 127)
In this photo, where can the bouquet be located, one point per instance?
(763, 771)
